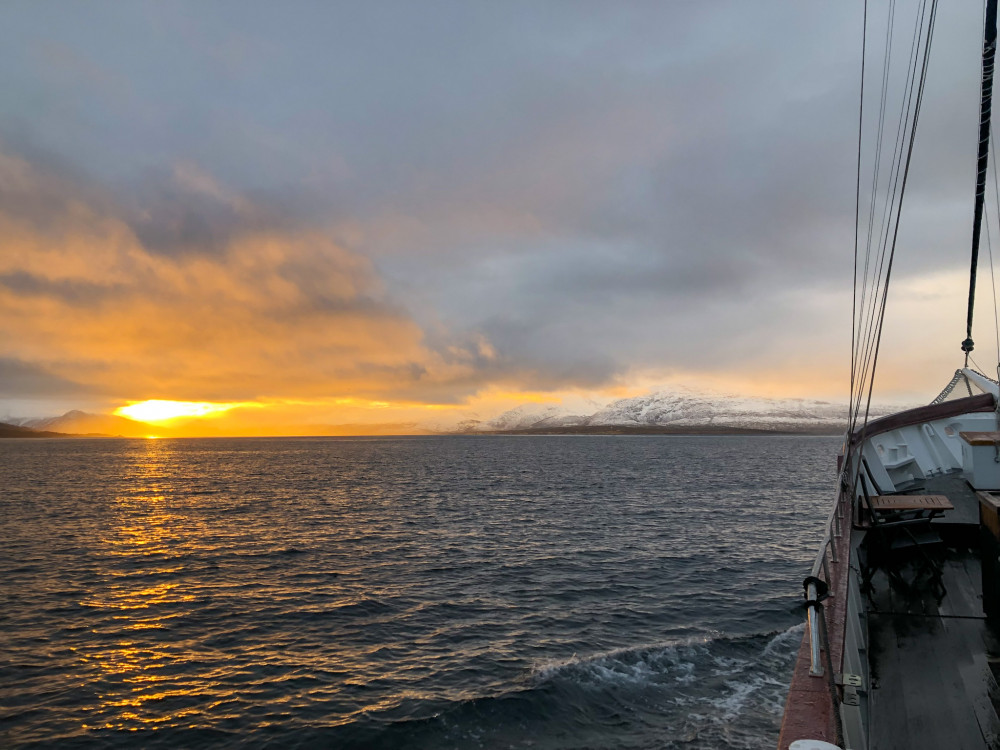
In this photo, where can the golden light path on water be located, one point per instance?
(145, 676)
(137, 677)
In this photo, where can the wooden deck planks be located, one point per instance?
(932, 684)
(978, 671)
(961, 495)
(964, 586)
(930, 695)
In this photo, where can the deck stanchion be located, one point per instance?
(815, 662)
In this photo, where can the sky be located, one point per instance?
(416, 213)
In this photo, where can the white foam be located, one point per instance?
(716, 682)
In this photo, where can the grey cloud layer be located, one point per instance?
(593, 187)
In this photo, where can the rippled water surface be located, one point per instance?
(466, 592)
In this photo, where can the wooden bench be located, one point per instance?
(936, 504)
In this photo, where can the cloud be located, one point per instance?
(429, 202)
(263, 310)
(24, 380)
(189, 291)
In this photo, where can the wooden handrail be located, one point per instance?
(968, 405)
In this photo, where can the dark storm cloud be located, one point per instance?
(20, 379)
(171, 220)
(591, 187)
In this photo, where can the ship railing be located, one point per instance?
(817, 588)
(818, 583)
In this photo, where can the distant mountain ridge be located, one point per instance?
(81, 423)
(682, 409)
(534, 416)
(676, 410)
(8, 430)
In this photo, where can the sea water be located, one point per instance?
(430, 592)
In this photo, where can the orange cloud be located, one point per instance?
(197, 294)
(273, 312)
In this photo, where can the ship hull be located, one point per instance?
(887, 632)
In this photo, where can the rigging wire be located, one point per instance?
(982, 158)
(976, 365)
(877, 161)
(906, 172)
(993, 283)
(889, 202)
(857, 204)
(996, 195)
(868, 314)
(876, 170)
(869, 309)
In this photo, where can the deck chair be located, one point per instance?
(897, 541)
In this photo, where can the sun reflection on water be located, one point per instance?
(144, 678)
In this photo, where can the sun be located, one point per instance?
(157, 410)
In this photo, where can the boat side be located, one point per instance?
(831, 688)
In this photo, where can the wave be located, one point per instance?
(721, 691)
(724, 673)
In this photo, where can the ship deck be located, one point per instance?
(934, 660)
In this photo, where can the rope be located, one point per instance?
(946, 391)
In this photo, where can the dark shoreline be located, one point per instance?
(15, 431)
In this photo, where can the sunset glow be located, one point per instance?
(254, 274)
(157, 410)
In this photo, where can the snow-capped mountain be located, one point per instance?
(685, 409)
(690, 410)
(532, 417)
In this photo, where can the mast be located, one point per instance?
(985, 109)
